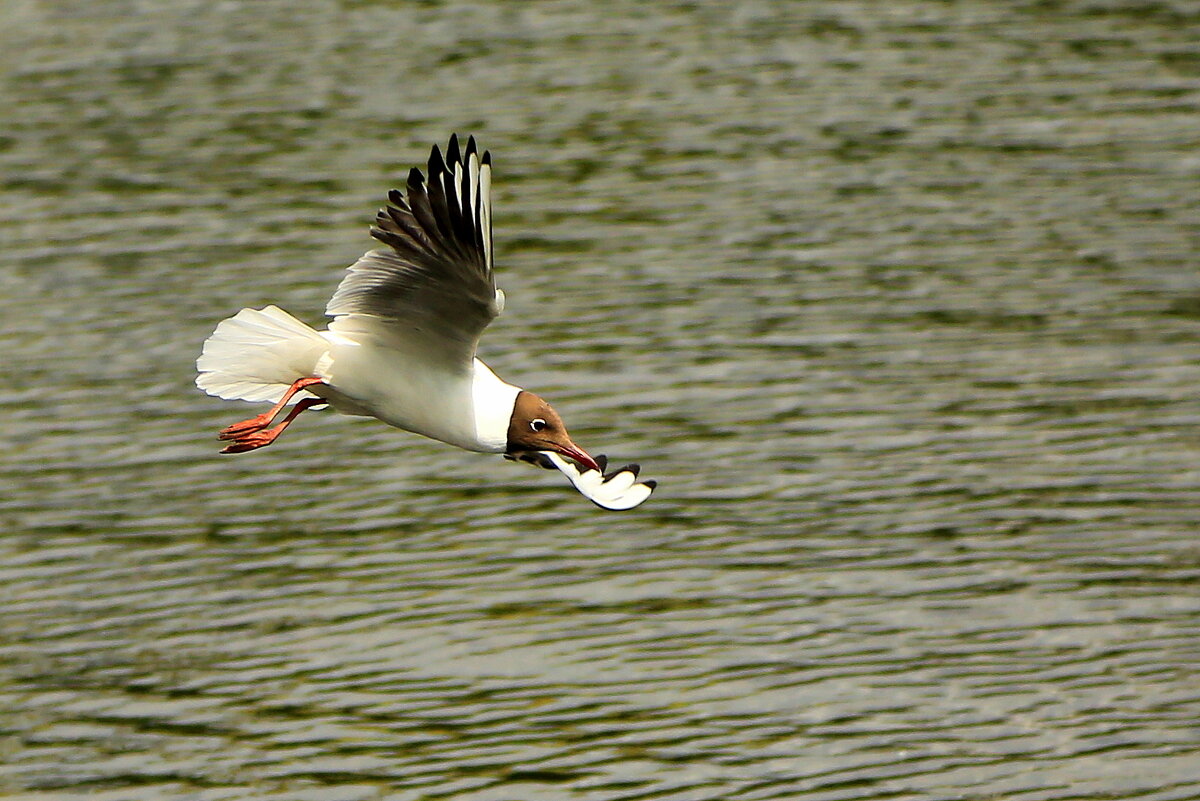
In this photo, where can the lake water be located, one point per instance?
(899, 303)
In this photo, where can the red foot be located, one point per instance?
(253, 440)
(250, 442)
(238, 430)
(256, 423)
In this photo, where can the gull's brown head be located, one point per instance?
(535, 426)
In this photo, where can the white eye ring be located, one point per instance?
(537, 424)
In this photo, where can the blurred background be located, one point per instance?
(899, 302)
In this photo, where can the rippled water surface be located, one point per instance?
(899, 302)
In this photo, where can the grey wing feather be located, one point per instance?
(435, 277)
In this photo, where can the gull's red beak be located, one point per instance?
(572, 451)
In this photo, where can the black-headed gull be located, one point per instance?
(401, 345)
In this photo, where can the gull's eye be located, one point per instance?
(537, 424)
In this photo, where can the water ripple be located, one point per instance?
(896, 303)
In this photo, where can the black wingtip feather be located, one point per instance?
(398, 239)
(452, 153)
(651, 483)
(457, 229)
(388, 238)
(403, 232)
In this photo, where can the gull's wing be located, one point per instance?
(434, 282)
(617, 491)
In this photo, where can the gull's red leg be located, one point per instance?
(261, 421)
(252, 440)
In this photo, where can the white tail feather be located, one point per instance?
(257, 354)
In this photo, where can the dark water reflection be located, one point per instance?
(899, 304)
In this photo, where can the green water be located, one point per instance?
(899, 303)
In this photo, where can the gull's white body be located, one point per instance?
(467, 408)
(368, 371)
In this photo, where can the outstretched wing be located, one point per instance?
(432, 287)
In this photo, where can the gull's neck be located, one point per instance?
(493, 401)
